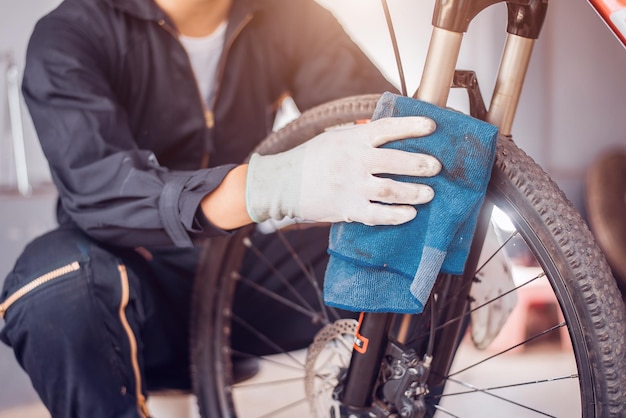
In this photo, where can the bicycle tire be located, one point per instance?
(553, 231)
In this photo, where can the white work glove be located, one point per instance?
(331, 178)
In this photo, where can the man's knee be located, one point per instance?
(53, 289)
(62, 301)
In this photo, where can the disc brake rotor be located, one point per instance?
(328, 355)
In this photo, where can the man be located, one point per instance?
(145, 110)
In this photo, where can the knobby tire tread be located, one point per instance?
(595, 295)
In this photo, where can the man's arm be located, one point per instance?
(225, 207)
(110, 188)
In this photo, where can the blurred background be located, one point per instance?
(571, 112)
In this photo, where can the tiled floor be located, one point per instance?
(528, 363)
(162, 406)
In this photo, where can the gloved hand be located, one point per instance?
(331, 178)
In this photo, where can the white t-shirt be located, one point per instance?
(204, 54)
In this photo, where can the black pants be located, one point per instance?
(97, 327)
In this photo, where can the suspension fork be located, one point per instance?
(373, 332)
(451, 20)
(453, 304)
(369, 347)
(373, 335)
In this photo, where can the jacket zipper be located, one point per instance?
(209, 117)
(222, 63)
(141, 400)
(23, 291)
(208, 114)
(172, 31)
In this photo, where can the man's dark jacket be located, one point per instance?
(117, 110)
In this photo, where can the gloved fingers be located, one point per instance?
(392, 161)
(386, 130)
(379, 214)
(398, 192)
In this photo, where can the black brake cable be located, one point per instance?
(395, 47)
(394, 42)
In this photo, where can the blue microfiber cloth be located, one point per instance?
(393, 268)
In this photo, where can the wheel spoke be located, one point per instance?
(308, 272)
(270, 360)
(509, 386)
(500, 248)
(266, 340)
(267, 383)
(515, 289)
(478, 270)
(526, 341)
(250, 245)
(445, 411)
(469, 312)
(502, 398)
(315, 316)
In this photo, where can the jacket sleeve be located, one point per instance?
(112, 190)
(325, 62)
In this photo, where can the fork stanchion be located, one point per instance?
(369, 347)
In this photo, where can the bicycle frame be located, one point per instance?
(450, 21)
(613, 13)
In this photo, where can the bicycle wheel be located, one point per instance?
(573, 350)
